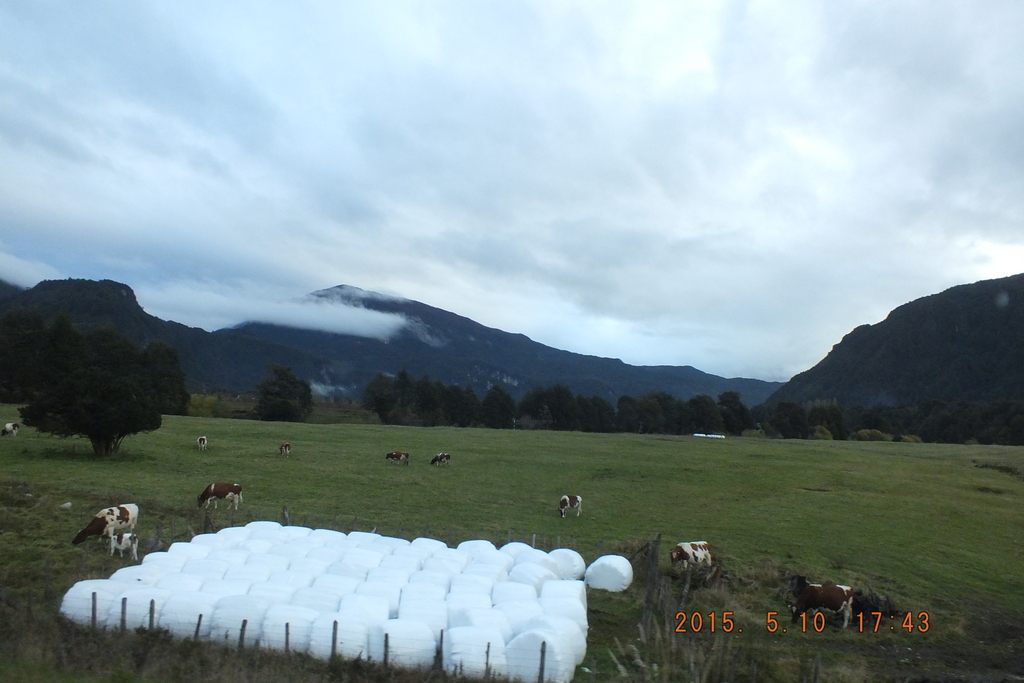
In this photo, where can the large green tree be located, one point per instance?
(100, 386)
(498, 409)
(284, 397)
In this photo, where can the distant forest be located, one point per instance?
(407, 401)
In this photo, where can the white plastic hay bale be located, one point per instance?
(422, 591)
(76, 604)
(514, 548)
(389, 591)
(433, 613)
(440, 565)
(352, 630)
(292, 549)
(136, 607)
(361, 538)
(192, 552)
(274, 563)
(316, 599)
(257, 545)
(532, 574)
(210, 569)
(460, 557)
(336, 584)
(233, 535)
(231, 611)
(212, 540)
(492, 572)
(484, 618)
(474, 547)
(457, 601)
(308, 564)
(272, 591)
(411, 554)
(294, 532)
(222, 587)
(181, 583)
(471, 583)
(142, 574)
(290, 623)
(344, 568)
(542, 558)
(513, 591)
(175, 562)
(440, 578)
(519, 614)
(410, 643)
(394, 542)
(363, 557)
(328, 536)
(475, 652)
(405, 563)
(610, 573)
(398, 577)
(430, 544)
(523, 655)
(329, 554)
(566, 607)
(181, 611)
(299, 579)
(565, 588)
(568, 632)
(373, 608)
(233, 556)
(494, 557)
(252, 572)
(570, 563)
(262, 525)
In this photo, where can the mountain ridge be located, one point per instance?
(434, 342)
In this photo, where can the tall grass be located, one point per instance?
(936, 527)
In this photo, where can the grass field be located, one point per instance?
(939, 528)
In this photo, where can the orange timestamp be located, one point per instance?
(908, 622)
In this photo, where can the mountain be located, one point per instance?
(964, 344)
(433, 342)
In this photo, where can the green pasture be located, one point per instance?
(939, 528)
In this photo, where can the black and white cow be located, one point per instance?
(441, 459)
(10, 428)
(122, 542)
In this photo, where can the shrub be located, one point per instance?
(872, 435)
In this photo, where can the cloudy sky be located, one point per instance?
(728, 185)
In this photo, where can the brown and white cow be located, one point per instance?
(202, 441)
(122, 542)
(400, 457)
(232, 493)
(109, 521)
(691, 553)
(285, 449)
(816, 596)
(570, 503)
(10, 428)
(441, 459)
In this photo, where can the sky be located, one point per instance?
(728, 185)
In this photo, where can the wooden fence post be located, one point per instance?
(199, 622)
(241, 634)
(334, 640)
(652, 584)
(124, 614)
(93, 621)
(543, 654)
(152, 613)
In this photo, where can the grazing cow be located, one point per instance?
(122, 542)
(10, 428)
(202, 441)
(570, 502)
(286, 448)
(816, 596)
(232, 493)
(109, 521)
(691, 553)
(441, 459)
(400, 457)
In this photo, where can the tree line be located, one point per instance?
(400, 399)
